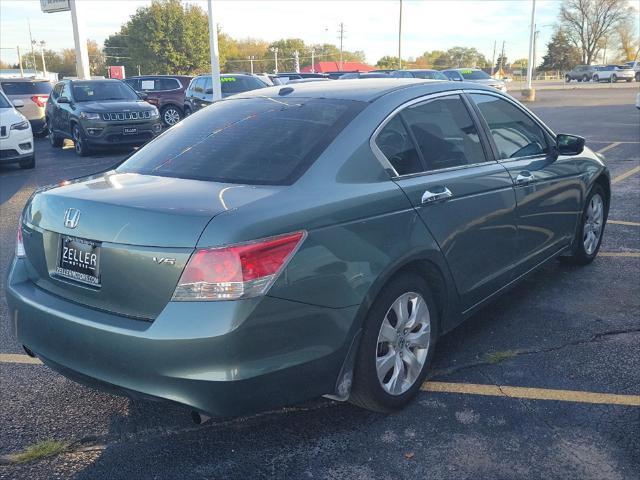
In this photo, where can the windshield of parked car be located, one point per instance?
(260, 141)
(26, 88)
(4, 102)
(102, 91)
(429, 75)
(474, 74)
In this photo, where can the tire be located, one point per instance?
(614, 78)
(187, 111)
(171, 115)
(383, 393)
(629, 80)
(585, 78)
(637, 76)
(55, 140)
(79, 142)
(28, 164)
(596, 79)
(584, 252)
(567, 79)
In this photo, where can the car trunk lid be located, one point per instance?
(119, 241)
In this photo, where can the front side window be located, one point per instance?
(259, 141)
(445, 133)
(514, 133)
(395, 143)
(198, 85)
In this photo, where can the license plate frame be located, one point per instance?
(79, 260)
(130, 131)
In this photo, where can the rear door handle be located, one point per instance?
(437, 195)
(525, 177)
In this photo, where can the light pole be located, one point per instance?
(251, 59)
(341, 39)
(529, 93)
(400, 38)
(296, 60)
(275, 52)
(313, 63)
(215, 57)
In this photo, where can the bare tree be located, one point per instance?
(629, 40)
(588, 22)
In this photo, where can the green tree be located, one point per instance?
(387, 62)
(561, 53)
(165, 37)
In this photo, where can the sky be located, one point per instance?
(371, 26)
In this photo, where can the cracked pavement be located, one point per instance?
(571, 328)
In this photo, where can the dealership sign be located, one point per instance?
(50, 6)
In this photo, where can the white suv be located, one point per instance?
(613, 73)
(636, 68)
(16, 137)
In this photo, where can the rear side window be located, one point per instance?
(445, 133)
(26, 88)
(258, 141)
(167, 84)
(395, 143)
(514, 133)
(198, 85)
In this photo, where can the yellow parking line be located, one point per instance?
(620, 254)
(623, 222)
(608, 147)
(16, 358)
(532, 393)
(626, 174)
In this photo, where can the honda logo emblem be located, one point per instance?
(71, 217)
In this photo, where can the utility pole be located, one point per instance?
(275, 52)
(529, 94)
(535, 49)
(33, 55)
(341, 39)
(20, 61)
(251, 59)
(400, 38)
(215, 57)
(44, 67)
(501, 59)
(296, 60)
(313, 64)
(493, 59)
(80, 40)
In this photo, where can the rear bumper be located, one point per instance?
(221, 358)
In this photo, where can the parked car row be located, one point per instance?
(609, 73)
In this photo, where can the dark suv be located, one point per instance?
(99, 113)
(581, 73)
(165, 92)
(199, 94)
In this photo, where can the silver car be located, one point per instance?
(34, 93)
(475, 75)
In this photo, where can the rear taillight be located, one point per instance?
(237, 271)
(20, 253)
(40, 100)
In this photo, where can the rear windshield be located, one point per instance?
(474, 75)
(102, 91)
(26, 88)
(430, 75)
(260, 141)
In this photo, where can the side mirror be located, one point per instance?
(143, 95)
(569, 144)
(18, 103)
(63, 100)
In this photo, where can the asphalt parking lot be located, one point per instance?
(544, 383)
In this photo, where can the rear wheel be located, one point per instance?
(629, 80)
(589, 235)
(187, 111)
(596, 78)
(55, 140)
(79, 142)
(567, 78)
(397, 345)
(585, 78)
(614, 78)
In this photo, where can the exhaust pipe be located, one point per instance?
(199, 418)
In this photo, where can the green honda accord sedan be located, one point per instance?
(300, 241)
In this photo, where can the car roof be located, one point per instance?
(361, 89)
(25, 79)
(422, 70)
(460, 69)
(158, 76)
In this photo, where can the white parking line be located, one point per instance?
(18, 358)
(624, 222)
(608, 147)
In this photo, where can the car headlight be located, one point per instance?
(155, 113)
(20, 126)
(89, 116)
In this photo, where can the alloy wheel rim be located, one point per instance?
(76, 140)
(171, 116)
(403, 343)
(592, 228)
